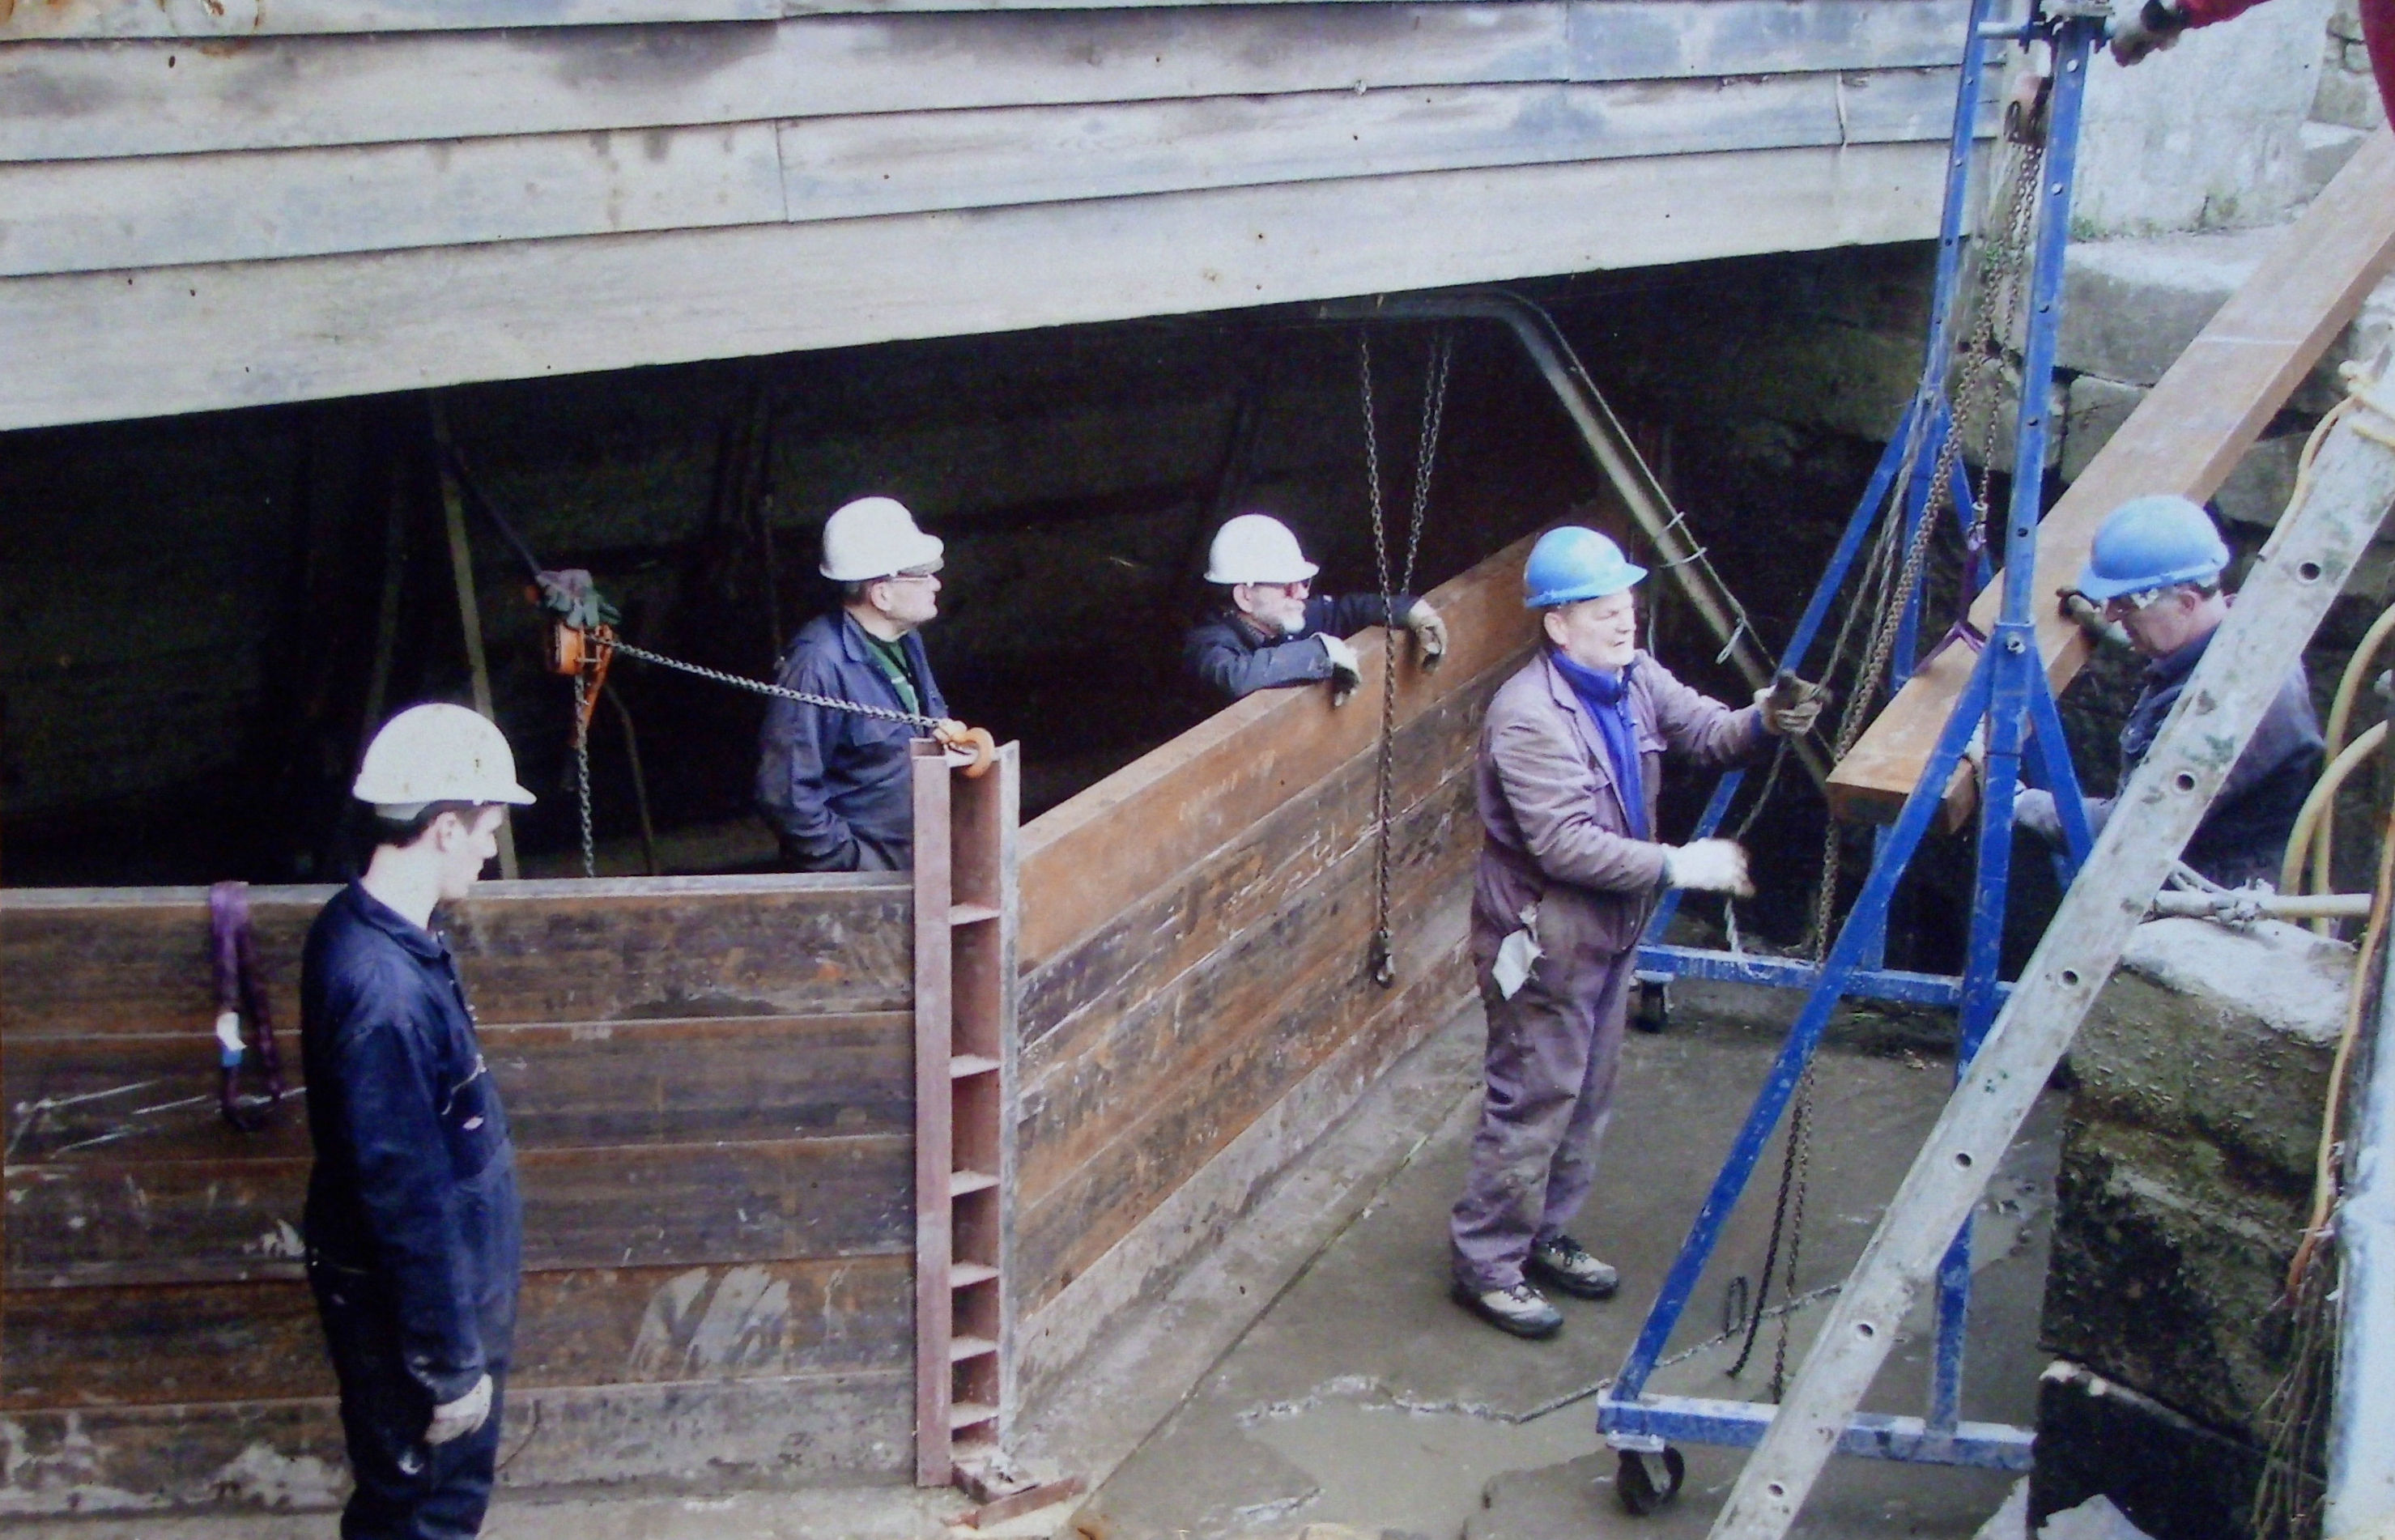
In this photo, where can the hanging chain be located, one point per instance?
(759, 686)
(1383, 950)
(582, 772)
(2004, 262)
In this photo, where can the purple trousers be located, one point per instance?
(1555, 1055)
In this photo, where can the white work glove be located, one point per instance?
(1790, 706)
(2034, 811)
(2146, 28)
(1708, 866)
(455, 1420)
(1346, 670)
(1430, 633)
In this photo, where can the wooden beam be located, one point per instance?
(2185, 437)
(96, 346)
(202, 19)
(246, 205)
(71, 101)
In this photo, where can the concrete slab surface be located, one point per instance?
(1363, 1400)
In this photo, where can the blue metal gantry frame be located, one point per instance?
(2007, 691)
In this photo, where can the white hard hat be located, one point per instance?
(437, 753)
(874, 537)
(1257, 548)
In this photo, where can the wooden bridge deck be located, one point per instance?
(207, 204)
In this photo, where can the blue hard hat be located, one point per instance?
(1572, 564)
(2152, 543)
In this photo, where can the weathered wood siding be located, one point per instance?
(302, 208)
(710, 1086)
(1195, 952)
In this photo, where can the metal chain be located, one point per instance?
(2002, 261)
(758, 686)
(582, 772)
(1383, 950)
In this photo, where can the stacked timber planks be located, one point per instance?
(710, 1086)
(309, 208)
(1196, 1006)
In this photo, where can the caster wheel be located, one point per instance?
(1636, 1488)
(1653, 1011)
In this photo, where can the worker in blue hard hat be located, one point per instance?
(1269, 629)
(2155, 569)
(1570, 763)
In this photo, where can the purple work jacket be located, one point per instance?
(1553, 829)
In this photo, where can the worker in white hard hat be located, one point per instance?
(415, 1236)
(1269, 629)
(834, 785)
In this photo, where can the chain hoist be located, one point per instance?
(1382, 960)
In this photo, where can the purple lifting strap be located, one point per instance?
(242, 990)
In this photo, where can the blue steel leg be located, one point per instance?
(2051, 752)
(1870, 907)
(2018, 689)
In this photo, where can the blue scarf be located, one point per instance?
(1607, 698)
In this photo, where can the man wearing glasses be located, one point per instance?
(2155, 568)
(834, 784)
(1271, 629)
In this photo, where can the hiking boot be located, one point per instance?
(1564, 1263)
(1520, 1309)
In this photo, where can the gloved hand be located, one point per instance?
(1346, 670)
(455, 1420)
(1708, 866)
(1430, 633)
(2034, 811)
(1791, 705)
(2149, 28)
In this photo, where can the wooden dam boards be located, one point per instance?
(2185, 437)
(781, 1211)
(711, 1085)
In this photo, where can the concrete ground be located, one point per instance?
(1364, 1401)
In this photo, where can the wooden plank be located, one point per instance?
(802, 1429)
(904, 162)
(79, 101)
(1105, 1199)
(87, 347)
(1208, 785)
(85, 961)
(1668, 39)
(1214, 1039)
(156, 211)
(2185, 437)
(98, 20)
(740, 1078)
(95, 1223)
(1185, 921)
(260, 1341)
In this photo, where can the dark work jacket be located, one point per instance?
(2244, 834)
(834, 784)
(414, 1191)
(1233, 656)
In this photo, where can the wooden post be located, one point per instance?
(2294, 581)
(469, 614)
(965, 924)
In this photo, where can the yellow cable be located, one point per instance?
(2291, 868)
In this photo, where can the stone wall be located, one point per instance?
(2186, 1178)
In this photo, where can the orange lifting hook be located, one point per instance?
(573, 650)
(976, 741)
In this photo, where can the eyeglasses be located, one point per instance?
(1298, 590)
(925, 576)
(2122, 605)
